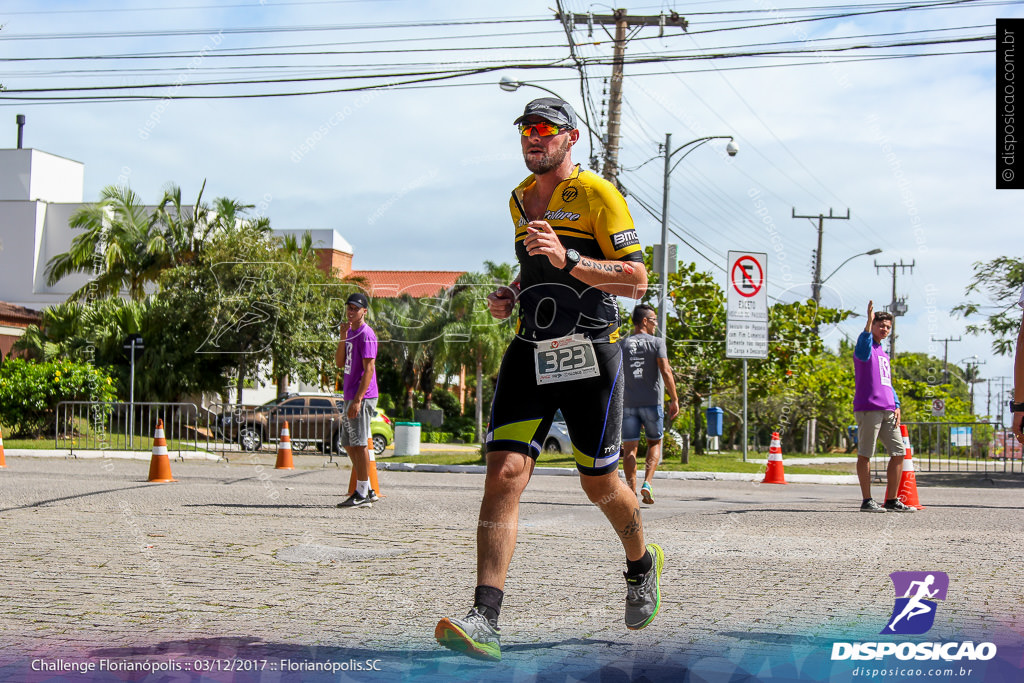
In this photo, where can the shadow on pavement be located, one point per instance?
(971, 479)
(76, 496)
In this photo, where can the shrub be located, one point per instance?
(447, 401)
(30, 392)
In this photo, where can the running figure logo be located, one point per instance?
(914, 611)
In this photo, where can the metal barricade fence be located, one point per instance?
(968, 447)
(117, 426)
(218, 429)
(252, 428)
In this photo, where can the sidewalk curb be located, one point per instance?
(99, 455)
(754, 477)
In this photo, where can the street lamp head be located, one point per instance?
(732, 148)
(873, 252)
(509, 84)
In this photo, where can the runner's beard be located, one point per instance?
(548, 161)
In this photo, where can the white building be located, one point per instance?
(39, 192)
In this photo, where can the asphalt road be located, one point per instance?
(242, 572)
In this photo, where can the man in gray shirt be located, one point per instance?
(646, 373)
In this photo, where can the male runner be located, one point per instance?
(648, 375)
(577, 250)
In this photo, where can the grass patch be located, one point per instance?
(713, 462)
(115, 443)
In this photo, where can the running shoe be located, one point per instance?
(643, 593)
(473, 636)
(648, 493)
(355, 500)
(372, 496)
(871, 505)
(896, 505)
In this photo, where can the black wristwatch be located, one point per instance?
(572, 259)
(1016, 407)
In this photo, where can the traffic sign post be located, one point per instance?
(746, 320)
(747, 306)
(132, 344)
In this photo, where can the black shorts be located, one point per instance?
(522, 411)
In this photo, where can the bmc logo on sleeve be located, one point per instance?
(627, 238)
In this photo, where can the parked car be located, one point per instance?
(314, 421)
(383, 432)
(557, 439)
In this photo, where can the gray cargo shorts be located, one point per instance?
(357, 432)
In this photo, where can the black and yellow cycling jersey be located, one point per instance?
(589, 215)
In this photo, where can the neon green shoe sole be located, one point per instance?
(472, 636)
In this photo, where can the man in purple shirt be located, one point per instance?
(357, 356)
(877, 409)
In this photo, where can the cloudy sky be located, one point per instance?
(407, 147)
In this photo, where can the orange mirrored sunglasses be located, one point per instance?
(543, 129)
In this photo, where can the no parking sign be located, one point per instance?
(747, 306)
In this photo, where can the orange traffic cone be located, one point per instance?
(3, 462)
(374, 484)
(160, 464)
(284, 450)
(775, 473)
(907, 491)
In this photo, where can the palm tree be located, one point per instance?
(114, 247)
(409, 331)
(472, 336)
(48, 340)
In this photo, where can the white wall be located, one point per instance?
(29, 175)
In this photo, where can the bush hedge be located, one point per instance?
(30, 392)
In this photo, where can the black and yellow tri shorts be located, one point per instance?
(522, 410)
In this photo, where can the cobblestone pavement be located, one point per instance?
(240, 562)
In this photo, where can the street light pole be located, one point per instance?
(731, 149)
(866, 253)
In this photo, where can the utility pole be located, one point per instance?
(972, 378)
(811, 435)
(898, 307)
(945, 355)
(622, 23)
(1001, 398)
(816, 284)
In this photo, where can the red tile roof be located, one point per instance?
(390, 284)
(18, 316)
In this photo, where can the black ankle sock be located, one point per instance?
(487, 601)
(641, 566)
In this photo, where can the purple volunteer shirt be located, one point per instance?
(872, 377)
(359, 344)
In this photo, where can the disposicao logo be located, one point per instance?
(916, 592)
(913, 614)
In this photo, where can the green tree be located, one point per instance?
(999, 281)
(696, 333)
